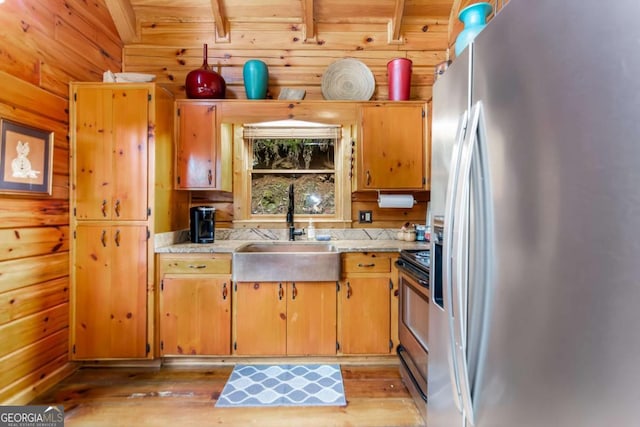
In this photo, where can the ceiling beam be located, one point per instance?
(124, 19)
(308, 22)
(395, 24)
(222, 25)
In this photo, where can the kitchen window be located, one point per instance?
(308, 155)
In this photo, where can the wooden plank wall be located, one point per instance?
(364, 200)
(45, 45)
(171, 47)
(170, 50)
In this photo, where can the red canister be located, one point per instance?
(399, 79)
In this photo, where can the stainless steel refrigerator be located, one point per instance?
(536, 177)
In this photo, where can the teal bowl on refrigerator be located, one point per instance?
(256, 78)
(474, 18)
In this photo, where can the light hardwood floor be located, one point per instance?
(174, 396)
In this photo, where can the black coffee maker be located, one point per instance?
(203, 224)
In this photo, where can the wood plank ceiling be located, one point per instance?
(293, 31)
(128, 13)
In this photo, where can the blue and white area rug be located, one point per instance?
(283, 385)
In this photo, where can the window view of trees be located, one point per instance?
(307, 163)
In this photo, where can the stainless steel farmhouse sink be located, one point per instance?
(286, 262)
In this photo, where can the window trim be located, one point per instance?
(242, 185)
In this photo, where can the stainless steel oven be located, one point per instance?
(414, 271)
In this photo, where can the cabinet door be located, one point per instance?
(260, 318)
(365, 315)
(130, 152)
(195, 316)
(110, 292)
(196, 152)
(311, 318)
(111, 150)
(93, 153)
(392, 147)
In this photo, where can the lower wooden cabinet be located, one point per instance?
(365, 315)
(202, 313)
(195, 304)
(285, 318)
(366, 303)
(195, 316)
(109, 318)
(260, 318)
(311, 318)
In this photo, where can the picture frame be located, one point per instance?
(26, 159)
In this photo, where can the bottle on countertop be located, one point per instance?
(311, 230)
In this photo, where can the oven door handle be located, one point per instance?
(406, 268)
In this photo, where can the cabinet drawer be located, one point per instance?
(216, 264)
(366, 263)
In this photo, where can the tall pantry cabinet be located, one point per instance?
(121, 195)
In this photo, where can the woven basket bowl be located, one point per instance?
(348, 79)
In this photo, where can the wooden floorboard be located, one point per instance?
(170, 396)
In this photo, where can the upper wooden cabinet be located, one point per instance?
(202, 163)
(110, 156)
(391, 147)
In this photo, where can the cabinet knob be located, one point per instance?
(349, 290)
(368, 178)
(210, 177)
(117, 238)
(280, 291)
(104, 208)
(224, 290)
(117, 208)
(103, 238)
(366, 265)
(294, 291)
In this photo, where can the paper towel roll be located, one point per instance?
(395, 201)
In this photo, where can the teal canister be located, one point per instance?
(474, 18)
(256, 78)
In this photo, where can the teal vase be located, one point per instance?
(474, 18)
(256, 78)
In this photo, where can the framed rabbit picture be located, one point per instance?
(26, 159)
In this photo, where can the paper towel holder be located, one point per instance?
(401, 201)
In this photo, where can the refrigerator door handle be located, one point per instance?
(460, 269)
(461, 253)
(447, 294)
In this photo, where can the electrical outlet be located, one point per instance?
(365, 216)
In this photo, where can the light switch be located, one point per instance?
(365, 216)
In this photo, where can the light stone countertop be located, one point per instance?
(229, 246)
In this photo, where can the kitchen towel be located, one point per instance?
(395, 201)
(283, 385)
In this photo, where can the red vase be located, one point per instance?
(204, 83)
(399, 76)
